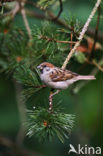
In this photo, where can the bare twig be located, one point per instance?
(94, 72)
(91, 32)
(51, 100)
(97, 65)
(60, 11)
(25, 20)
(13, 12)
(20, 7)
(51, 16)
(71, 37)
(41, 86)
(60, 22)
(94, 62)
(82, 33)
(54, 40)
(96, 33)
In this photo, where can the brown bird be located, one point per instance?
(58, 78)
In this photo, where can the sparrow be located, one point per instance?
(58, 78)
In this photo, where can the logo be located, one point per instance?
(84, 150)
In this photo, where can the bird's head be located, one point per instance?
(45, 67)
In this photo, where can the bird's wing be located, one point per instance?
(61, 75)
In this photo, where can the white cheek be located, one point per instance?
(47, 70)
(45, 76)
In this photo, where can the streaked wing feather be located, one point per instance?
(62, 75)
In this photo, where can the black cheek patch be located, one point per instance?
(41, 70)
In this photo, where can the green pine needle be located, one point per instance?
(46, 125)
(29, 79)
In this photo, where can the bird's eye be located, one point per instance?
(47, 69)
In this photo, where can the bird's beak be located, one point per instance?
(38, 67)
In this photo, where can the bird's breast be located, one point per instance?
(45, 78)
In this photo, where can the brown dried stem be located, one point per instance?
(25, 20)
(97, 65)
(51, 100)
(60, 11)
(54, 40)
(96, 33)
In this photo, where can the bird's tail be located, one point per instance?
(87, 77)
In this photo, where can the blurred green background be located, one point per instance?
(87, 105)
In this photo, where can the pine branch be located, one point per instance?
(50, 45)
(19, 6)
(54, 40)
(82, 33)
(45, 125)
